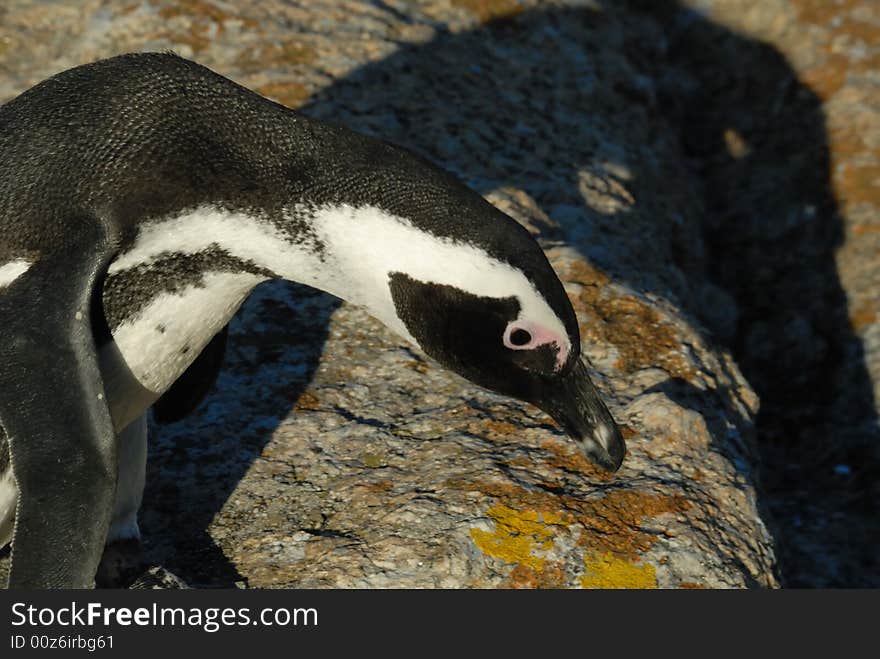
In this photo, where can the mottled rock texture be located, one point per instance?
(331, 454)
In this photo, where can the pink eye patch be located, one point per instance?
(526, 335)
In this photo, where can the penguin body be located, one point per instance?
(142, 198)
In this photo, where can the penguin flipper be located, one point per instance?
(55, 415)
(190, 389)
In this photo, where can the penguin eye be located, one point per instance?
(522, 334)
(520, 337)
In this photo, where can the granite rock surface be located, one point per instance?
(333, 455)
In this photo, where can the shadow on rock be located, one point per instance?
(275, 344)
(591, 111)
(757, 137)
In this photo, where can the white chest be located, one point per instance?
(152, 349)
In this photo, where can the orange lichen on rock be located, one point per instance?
(590, 277)
(572, 460)
(859, 184)
(551, 576)
(501, 427)
(863, 316)
(636, 329)
(845, 140)
(613, 523)
(379, 487)
(852, 20)
(828, 77)
(489, 10)
(307, 402)
(527, 521)
(642, 338)
(856, 179)
(838, 15)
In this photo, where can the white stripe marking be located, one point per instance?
(169, 333)
(245, 236)
(362, 246)
(369, 244)
(12, 270)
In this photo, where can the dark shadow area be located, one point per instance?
(756, 136)
(274, 346)
(757, 154)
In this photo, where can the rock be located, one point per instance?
(796, 243)
(158, 578)
(331, 454)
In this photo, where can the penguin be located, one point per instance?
(142, 197)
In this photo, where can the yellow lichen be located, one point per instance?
(608, 528)
(608, 571)
(610, 523)
(372, 460)
(517, 534)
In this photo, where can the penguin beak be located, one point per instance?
(574, 403)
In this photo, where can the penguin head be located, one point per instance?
(469, 285)
(495, 342)
(473, 289)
